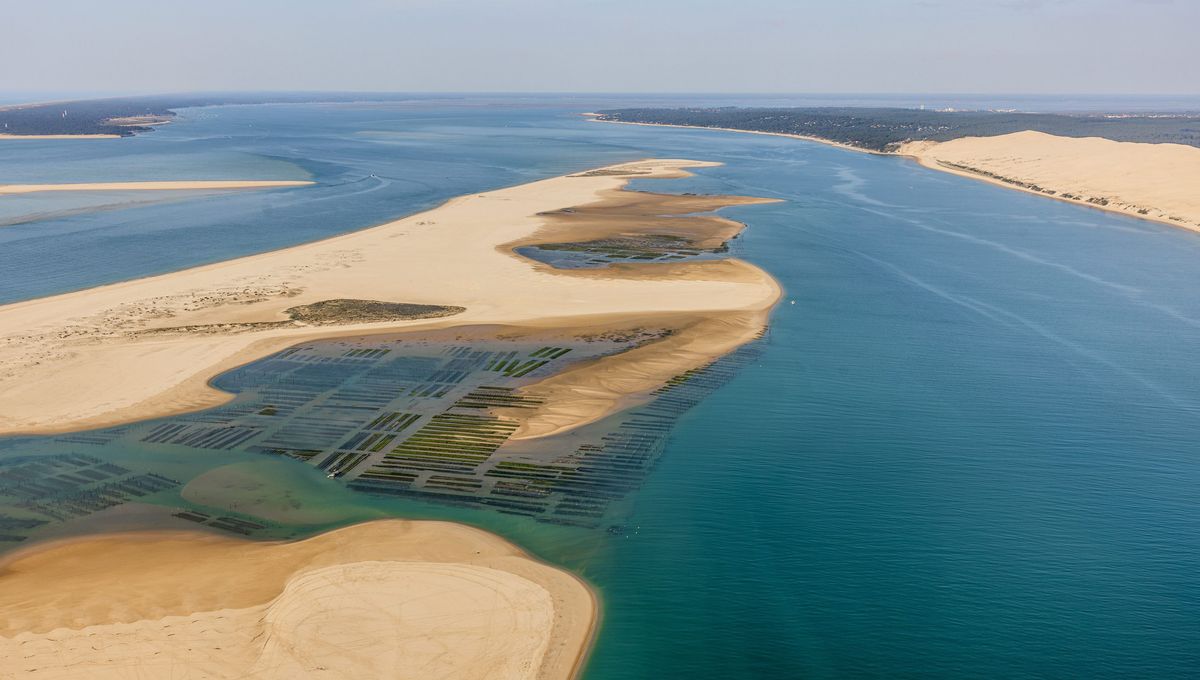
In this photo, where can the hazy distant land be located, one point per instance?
(1145, 166)
(885, 129)
(126, 116)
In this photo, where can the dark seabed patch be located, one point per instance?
(426, 418)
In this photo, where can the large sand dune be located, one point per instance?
(1151, 181)
(387, 599)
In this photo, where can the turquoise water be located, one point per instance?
(967, 448)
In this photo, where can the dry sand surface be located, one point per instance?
(1151, 181)
(583, 394)
(807, 138)
(148, 347)
(185, 185)
(386, 599)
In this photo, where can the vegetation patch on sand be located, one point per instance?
(648, 247)
(147, 348)
(367, 311)
(1151, 181)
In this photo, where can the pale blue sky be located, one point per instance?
(983, 46)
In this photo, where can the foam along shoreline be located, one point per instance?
(147, 348)
(390, 598)
(183, 185)
(1149, 181)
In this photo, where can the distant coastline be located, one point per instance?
(110, 117)
(61, 136)
(595, 118)
(172, 185)
(1152, 182)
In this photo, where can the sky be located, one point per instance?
(833, 46)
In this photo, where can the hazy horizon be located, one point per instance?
(1113, 47)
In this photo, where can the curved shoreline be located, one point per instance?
(170, 185)
(593, 117)
(169, 335)
(53, 600)
(924, 153)
(109, 355)
(1031, 162)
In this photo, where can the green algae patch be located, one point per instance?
(347, 311)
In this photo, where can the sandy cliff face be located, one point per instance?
(1153, 181)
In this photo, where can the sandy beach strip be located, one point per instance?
(390, 598)
(180, 185)
(147, 348)
(1149, 181)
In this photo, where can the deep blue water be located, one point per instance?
(968, 448)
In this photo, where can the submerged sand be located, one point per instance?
(147, 348)
(384, 599)
(182, 185)
(392, 599)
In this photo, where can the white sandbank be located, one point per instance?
(386, 599)
(148, 347)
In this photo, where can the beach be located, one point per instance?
(954, 411)
(148, 347)
(1149, 181)
(390, 598)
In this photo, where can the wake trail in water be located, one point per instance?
(1008, 250)
(1131, 293)
(1012, 320)
(851, 187)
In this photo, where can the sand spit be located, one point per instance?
(590, 391)
(1151, 181)
(186, 185)
(391, 598)
(147, 348)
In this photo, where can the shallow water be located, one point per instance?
(966, 449)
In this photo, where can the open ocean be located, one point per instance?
(967, 446)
